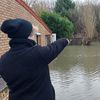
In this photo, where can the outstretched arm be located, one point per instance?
(51, 51)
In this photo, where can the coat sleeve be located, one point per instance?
(51, 51)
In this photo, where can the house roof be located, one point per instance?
(22, 3)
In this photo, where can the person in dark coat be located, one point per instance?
(25, 66)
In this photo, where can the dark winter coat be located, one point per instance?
(25, 69)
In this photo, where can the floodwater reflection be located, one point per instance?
(75, 74)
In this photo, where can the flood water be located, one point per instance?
(75, 74)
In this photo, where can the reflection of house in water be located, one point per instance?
(18, 9)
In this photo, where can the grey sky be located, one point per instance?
(56, 0)
(96, 1)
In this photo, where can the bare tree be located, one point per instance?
(97, 13)
(40, 6)
(88, 19)
(75, 17)
(29, 2)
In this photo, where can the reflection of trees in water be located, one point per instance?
(76, 73)
(86, 58)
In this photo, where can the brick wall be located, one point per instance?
(13, 9)
(4, 94)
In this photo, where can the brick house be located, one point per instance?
(19, 9)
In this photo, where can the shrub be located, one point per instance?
(59, 25)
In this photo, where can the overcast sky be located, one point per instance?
(96, 1)
(56, 0)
